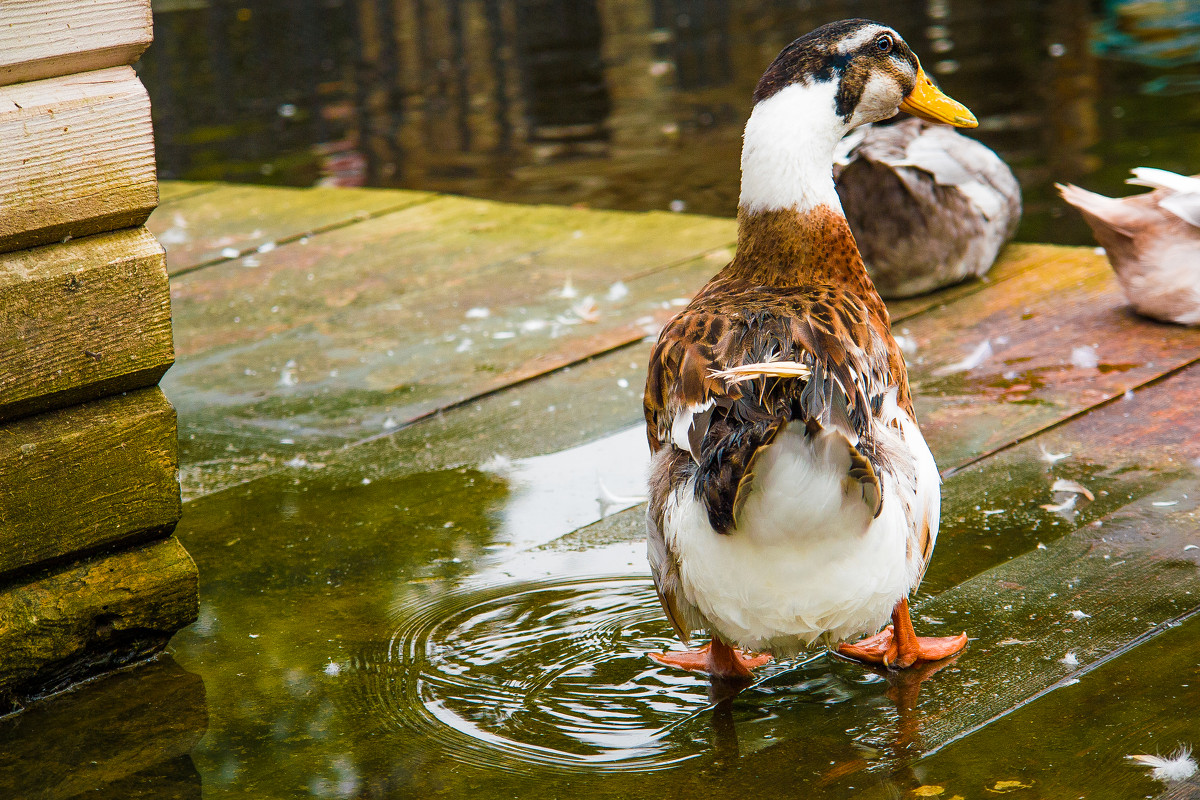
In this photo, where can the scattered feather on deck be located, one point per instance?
(1178, 766)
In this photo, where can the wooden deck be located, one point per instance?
(339, 336)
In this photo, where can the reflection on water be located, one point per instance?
(554, 676)
(639, 104)
(538, 674)
(557, 493)
(381, 639)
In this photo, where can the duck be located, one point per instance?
(792, 498)
(928, 207)
(1152, 241)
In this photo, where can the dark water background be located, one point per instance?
(640, 104)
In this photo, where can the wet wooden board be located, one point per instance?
(384, 319)
(223, 447)
(446, 251)
(1135, 704)
(82, 320)
(1125, 579)
(136, 720)
(1033, 324)
(174, 191)
(79, 157)
(370, 318)
(47, 38)
(59, 627)
(226, 221)
(86, 477)
(373, 349)
(408, 336)
(1120, 453)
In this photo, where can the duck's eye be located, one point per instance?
(884, 43)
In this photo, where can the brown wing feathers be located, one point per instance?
(732, 328)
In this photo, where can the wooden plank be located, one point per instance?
(86, 477)
(1130, 577)
(1015, 259)
(225, 221)
(1136, 703)
(82, 320)
(418, 272)
(104, 732)
(48, 38)
(383, 318)
(79, 157)
(1033, 324)
(992, 510)
(420, 348)
(60, 627)
(174, 191)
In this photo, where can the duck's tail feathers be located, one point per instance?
(1183, 198)
(1098, 209)
(1164, 179)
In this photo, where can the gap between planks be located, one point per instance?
(935, 302)
(186, 194)
(283, 241)
(1106, 401)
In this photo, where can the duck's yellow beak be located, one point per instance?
(927, 102)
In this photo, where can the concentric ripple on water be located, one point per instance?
(548, 674)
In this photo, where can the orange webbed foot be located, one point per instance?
(898, 647)
(887, 649)
(716, 659)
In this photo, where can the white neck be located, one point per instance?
(787, 150)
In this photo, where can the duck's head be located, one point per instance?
(821, 86)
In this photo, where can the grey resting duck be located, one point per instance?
(1152, 241)
(929, 207)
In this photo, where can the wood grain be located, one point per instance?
(79, 157)
(47, 38)
(82, 320)
(86, 477)
(60, 627)
(217, 222)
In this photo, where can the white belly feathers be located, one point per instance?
(806, 558)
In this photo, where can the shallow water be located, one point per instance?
(379, 629)
(639, 104)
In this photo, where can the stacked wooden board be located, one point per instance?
(90, 577)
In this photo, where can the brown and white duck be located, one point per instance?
(1152, 241)
(928, 206)
(792, 497)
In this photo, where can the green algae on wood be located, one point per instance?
(81, 320)
(225, 220)
(174, 191)
(67, 624)
(86, 477)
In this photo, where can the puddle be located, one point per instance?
(539, 675)
(557, 493)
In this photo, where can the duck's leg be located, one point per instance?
(898, 647)
(716, 659)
